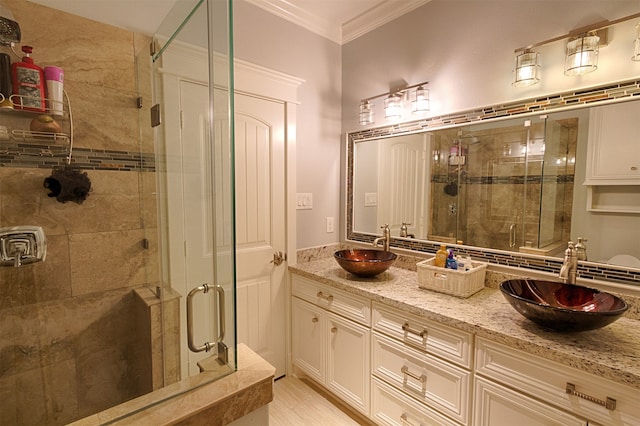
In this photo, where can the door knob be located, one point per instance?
(278, 258)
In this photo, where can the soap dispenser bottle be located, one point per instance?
(441, 256)
(28, 83)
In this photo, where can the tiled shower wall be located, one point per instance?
(75, 314)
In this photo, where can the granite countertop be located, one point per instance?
(612, 352)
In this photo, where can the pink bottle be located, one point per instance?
(54, 77)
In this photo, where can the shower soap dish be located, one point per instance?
(451, 281)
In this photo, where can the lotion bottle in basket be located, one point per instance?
(441, 257)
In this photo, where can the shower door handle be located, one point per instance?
(512, 235)
(207, 346)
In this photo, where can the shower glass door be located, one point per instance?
(192, 87)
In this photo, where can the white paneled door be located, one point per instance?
(260, 226)
(260, 218)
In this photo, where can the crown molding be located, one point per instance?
(341, 33)
(377, 16)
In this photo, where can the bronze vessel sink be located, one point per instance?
(563, 307)
(364, 262)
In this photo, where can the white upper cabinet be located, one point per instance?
(613, 156)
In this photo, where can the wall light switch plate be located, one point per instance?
(304, 201)
(370, 199)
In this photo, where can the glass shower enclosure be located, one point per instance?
(131, 287)
(505, 185)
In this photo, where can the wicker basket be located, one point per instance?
(451, 281)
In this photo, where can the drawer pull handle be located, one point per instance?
(408, 329)
(634, 168)
(314, 319)
(328, 298)
(334, 329)
(405, 421)
(609, 403)
(422, 378)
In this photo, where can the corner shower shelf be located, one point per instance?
(39, 137)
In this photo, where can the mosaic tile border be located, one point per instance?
(584, 97)
(33, 155)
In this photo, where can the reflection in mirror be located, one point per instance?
(513, 185)
(503, 186)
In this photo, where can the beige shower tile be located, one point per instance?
(38, 282)
(113, 203)
(104, 118)
(106, 260)
(9, 401)
(93, 53)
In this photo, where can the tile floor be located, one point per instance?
(299, 403)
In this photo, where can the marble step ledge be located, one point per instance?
(221, 402)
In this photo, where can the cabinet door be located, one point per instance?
(614, 134)
(348, 361)
(308, 338)
(496, 406)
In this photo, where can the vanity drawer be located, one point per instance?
(547, 381)
(390, 407)
(337, 301)
(436, 383)
(424, 335)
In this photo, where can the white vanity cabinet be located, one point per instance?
(516, 387)
(414, 359)
(331, 339)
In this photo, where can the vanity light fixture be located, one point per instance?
(636, 45)
(395, 102)
(366, 113)
(393, 106)
(527, 70)
(582, 54)
(420, 103)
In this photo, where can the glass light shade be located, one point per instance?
(420, 104)
(393, 106)
(636, 45)
(527, 70)
(366, 113)
(582, 55)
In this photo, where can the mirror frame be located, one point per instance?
(623, 91)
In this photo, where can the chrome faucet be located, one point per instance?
(385, 239)
(404, 231)
(570, 265)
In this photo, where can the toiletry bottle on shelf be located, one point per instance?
(54, 77)
(451, 261)
(441, 257)
(28, 83)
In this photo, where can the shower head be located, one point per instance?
(9, 29)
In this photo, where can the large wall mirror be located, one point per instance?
(513, 184)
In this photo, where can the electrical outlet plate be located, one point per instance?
(330, 224)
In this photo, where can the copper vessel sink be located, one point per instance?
(563, 307)
(365, 262)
